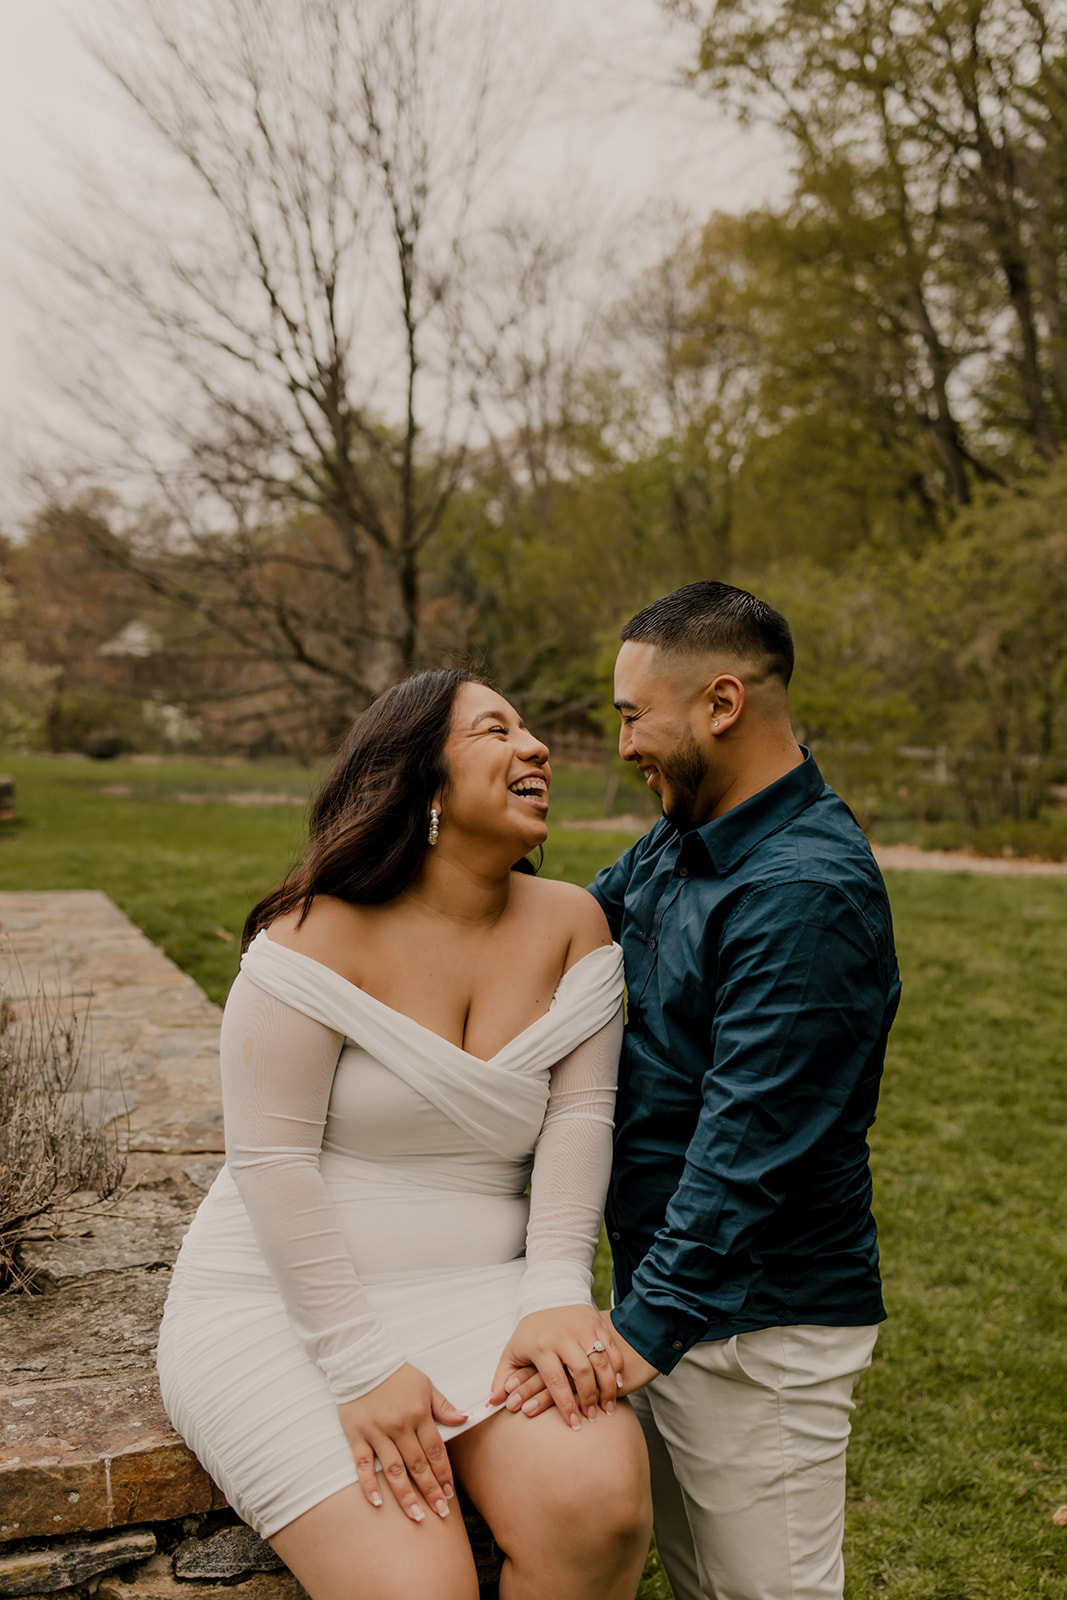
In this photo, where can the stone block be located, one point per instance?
(95, 1453)
(138, 1230)
(202, 1134)
(203, 1173)
(63, 1564)
(41, 1498)
(279, 1585)
(98, 1107)
(186, 1139)
(149, 1169)
(86, 1327)
(225, 1554)
(158, 1482)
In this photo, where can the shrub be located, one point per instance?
(49, 1149)
(1044, 838)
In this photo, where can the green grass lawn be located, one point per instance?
(959, 1451)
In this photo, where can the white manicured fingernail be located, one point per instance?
(375, 1499)
(417, 1514)
(441, 1508)
(610, 1408)
(576, 1423)
(591, 1413)
(449, 1492)
(618, 1380)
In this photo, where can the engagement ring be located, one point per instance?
(595, 1349)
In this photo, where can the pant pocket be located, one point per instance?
(759, 1358)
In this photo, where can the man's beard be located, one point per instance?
(684, 772)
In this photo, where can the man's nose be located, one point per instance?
(626, 744)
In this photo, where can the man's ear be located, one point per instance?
(724, 700)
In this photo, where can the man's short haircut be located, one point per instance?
(708, 619)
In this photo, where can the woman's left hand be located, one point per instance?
(575, 1352)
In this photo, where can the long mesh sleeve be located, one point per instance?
(570, 1174)
(277, 1073)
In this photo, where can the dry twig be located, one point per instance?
(49, 1149)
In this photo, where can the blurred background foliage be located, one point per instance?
(854, 403)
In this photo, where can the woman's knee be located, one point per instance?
(608, 1498)
(342, 1549)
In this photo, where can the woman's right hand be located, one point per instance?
(397, 1422)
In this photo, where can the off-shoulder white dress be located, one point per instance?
(372, 1211)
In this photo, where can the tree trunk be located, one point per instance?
(943, 423)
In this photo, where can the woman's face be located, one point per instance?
(498, 772)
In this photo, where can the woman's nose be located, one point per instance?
(535, 750)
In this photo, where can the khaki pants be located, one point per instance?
(747, 1442)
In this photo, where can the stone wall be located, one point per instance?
(98, 1495)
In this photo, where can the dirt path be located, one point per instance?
(909, 858)
(890, 857)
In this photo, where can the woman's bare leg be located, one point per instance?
(345, 1549)
(572, 1511)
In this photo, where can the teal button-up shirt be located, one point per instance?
(762, 983)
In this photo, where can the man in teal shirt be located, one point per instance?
(761, 987)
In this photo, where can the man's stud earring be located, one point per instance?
(435, 824)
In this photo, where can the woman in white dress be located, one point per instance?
(417, 1030)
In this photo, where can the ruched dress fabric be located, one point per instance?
(373, 1211)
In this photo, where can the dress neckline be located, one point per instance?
(381, 1005)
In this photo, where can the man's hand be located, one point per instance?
(636, 1371)
(527, 1390)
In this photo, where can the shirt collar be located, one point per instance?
(726, 840)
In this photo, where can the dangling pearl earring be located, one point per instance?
(435, 820)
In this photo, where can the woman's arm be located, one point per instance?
(278, 1067)
(559, 1323)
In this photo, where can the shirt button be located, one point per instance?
(683, 872)
(676, 1344)
(652, 944)
(616, 1237)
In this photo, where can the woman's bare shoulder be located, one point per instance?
(331, 933)
(574, 913)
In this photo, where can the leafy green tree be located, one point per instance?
(930, 139)
(24, 685)
(988, 649)
(837, 451)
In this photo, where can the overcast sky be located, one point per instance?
(619, 126)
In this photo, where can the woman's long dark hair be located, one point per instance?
(369, 821)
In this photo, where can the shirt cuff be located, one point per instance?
(662, 1336)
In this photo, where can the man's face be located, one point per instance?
(660, 713)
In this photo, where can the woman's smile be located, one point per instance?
(532, 790)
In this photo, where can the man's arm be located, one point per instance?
(799, 1012)
(610, 885)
